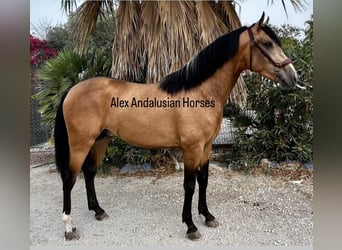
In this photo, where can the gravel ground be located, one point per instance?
(146, 211)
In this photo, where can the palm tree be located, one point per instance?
(156, 38)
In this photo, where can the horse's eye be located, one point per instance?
(268, 44)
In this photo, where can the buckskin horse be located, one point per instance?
(189, 118)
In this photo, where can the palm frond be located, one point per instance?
(210, 23)
(229, 14)
(68, 5)
(86, 18)
(127, 49)
(298, 5)
(181, 45)
(56, 75)
(154, 41)
(59, 74)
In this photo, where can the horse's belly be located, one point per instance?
(145, 129)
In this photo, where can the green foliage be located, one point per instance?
(63, 36)
(278, 124)
(103, 35)
(119, 153)
(56, 76)
(59, 74)
(58, 37)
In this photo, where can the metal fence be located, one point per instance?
(226, 135)
(38, 132)
(41, 152)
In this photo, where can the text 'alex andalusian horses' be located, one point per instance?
(183, 111)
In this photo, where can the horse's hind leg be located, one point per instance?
(69, 180)
(69, 175)
(89, 169)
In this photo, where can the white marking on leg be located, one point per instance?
(67, 222)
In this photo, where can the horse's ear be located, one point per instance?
(267, 20)
(261, 20)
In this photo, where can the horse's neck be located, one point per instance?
(220, 85)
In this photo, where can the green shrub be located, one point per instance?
(278, 125)
(59, 74)
(119, 153)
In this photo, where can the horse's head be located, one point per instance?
(267, 57)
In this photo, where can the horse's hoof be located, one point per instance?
(194, 235)
(73, 235)
(212, 223)
(101, 216)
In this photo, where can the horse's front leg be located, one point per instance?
(202, 178)
(192, 158)
(189, 188)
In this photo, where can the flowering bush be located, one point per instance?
(40, 51)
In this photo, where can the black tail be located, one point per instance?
(62, 154)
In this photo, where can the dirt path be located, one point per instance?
(146, 211)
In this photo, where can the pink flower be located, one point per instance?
(40, 51)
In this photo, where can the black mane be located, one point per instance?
(204, 64)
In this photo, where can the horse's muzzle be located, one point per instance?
(287, 77)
